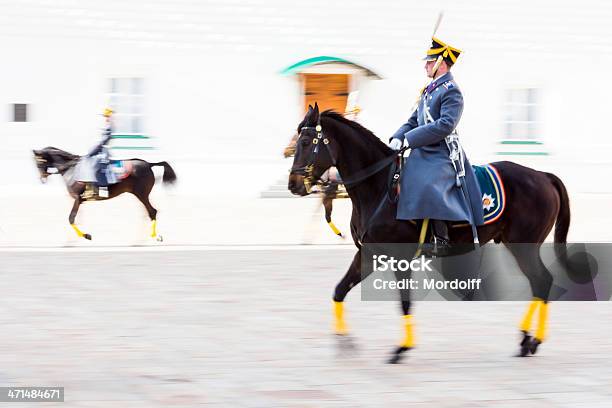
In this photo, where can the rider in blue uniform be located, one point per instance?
(433, 186)
(101, 154)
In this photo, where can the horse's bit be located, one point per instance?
(307, 170)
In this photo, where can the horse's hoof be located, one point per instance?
(160, 238)
(526, 345)
(524, 352)
(397, 356)
(533, 347)
(87, 236)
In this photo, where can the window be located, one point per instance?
(126, 97)
(20, 112)
(521, 115)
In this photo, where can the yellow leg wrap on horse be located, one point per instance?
(339, 324)
(526, 323)
(542, 320)
(333, 227)
(77, 230)
(154, 228)
(408, 341)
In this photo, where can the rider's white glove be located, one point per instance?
(395, 144)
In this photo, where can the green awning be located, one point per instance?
(300, 66)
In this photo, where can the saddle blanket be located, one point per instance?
(120, 168)
(493, 193)
(116, 170)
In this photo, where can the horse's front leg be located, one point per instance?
(72, 217)
(407, 342)
(352, 277)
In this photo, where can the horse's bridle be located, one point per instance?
(307, 170)
(44, 169)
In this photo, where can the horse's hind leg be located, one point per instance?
(72, 217)
(540, 280)
(144, 199)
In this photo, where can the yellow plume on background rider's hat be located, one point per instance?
(108, 112)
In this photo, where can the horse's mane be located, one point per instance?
(368, 134)
(55, 151)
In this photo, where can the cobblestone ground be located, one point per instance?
(251, 328)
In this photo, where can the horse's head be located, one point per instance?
(52, 158)
(313, 154)
(43, 163)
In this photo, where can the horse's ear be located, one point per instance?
(309, 108)
(36, 152)
(316, 108)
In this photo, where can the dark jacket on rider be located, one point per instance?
(428, 184)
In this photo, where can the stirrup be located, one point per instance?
(437, 247)
(442, 246)
(89, 192)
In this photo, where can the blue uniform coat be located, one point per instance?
(428, 188)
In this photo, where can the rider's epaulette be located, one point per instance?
(448, 84)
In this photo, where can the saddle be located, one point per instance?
(112, 173)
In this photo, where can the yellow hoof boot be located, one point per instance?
(80, 233)
(154, 229)
(334, 229)
(339, 323)
(408, 341)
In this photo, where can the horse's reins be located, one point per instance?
(358, 177)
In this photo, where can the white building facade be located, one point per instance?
(198, 83)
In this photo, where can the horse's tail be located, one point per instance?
(169, 174)
(563, 219)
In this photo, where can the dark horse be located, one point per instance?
(139, 182)
(536, 201)
(329, 187)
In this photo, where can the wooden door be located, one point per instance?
(330, 91)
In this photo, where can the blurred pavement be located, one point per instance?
(144, 327)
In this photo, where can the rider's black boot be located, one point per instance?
(442, 240)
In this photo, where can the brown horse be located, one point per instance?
(139, 182)
(536, 201)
